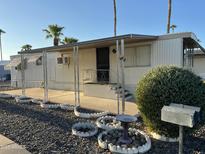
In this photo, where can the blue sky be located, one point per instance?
(23, 20)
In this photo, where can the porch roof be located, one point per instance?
(14, 62)
(128, 38)
(34, 58)
(190, 41)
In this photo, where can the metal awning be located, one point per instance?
(190, 43)
(109, 41)
(33, 58)
(14, 62)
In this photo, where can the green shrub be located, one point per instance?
(164, 85)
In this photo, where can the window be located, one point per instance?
(66, 60)
(59, 60)
(138, 56)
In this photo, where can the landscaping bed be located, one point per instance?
(50, 131)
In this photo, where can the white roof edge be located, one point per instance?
(26, 54)
(178, 35)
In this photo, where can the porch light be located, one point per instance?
(114, 51)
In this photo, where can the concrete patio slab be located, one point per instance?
(5, 141)
(8, 146)
(68, 97)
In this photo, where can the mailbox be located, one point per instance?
(180, 114)
(198, 114)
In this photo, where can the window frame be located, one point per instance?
(135, 48)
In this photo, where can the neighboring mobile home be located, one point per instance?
(97, 62)
(4, 74)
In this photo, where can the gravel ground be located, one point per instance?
(49, 131)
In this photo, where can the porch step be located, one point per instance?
(118, 90)
(108, 91)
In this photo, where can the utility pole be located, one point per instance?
(169, 15)
(115, 18)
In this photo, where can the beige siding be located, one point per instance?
(163, 52)
(167, 52)
(61, 76)
(199, 66)
(33, 75)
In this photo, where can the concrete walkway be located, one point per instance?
(68, 97)
(8, 146)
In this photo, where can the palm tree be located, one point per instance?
(54, 31)
(115, 18)
(169, 15)
(26, 47)
(1, 32)
(68, 40)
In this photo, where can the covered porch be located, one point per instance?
(75, 63)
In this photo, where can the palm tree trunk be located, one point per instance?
(169, 15)
(55, 41)
(115, 18)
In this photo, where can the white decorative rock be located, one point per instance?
(23, 99)
(110, 146)
(54, 106)
(135, 150)
(84, 125)
(129, 151)
(124, 150)
(118, 148)
(88, 115)
(36, 101)
(100, 122)
(67, 107)
(102, 143)
(141, 149)
(43, 105)
(163, 138)
(2, 95)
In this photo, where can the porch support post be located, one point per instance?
(45, 77)
(188, 58)
(122, 60)
(118, 83)
(74, 69)
(78, 74)
(23, 74)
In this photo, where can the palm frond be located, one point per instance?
(54, 31)
(68, 40)
(26, 47)
(2, 31)
(49, 36)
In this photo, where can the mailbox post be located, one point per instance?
(182, 115)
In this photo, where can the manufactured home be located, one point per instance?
(4, 74)
(98, 62)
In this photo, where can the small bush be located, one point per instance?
(164, 85)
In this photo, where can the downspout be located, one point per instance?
(118, 83)
(122, 74)
(45, 77)
(23, 74)
(76, 75)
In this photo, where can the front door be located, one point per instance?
(103, 64)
